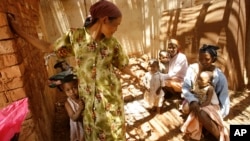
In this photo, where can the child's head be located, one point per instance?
(164, 56)
(205, 78)
(70, 86)
(153, 65)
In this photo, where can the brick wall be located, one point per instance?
(22, 71)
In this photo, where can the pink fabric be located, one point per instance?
(193, 127)
(11, 118)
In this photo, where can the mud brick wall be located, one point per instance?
(22, 70)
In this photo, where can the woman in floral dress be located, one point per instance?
(98, 55)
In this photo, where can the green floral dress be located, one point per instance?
(103, 117)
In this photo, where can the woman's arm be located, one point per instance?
(40, 44)
(221, 89)
(187, 85)
(127, 70)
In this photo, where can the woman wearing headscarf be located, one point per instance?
(209, 117)
(97, 54)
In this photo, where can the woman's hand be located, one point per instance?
(136, 79)
(81, 105)
(14, 26)
(194, 107)
(62, 52)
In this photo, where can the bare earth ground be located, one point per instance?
(143, 125)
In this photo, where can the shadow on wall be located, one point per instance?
(138, 32)
(209, 24)
(146, 26)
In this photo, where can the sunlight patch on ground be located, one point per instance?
(134, 111)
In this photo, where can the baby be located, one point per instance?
(203, 90)
(164, 58)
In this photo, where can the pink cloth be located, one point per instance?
(193, 128)
(11, 118)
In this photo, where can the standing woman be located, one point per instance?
(208, 117)
(97, 54)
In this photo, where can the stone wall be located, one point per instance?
(22, 70)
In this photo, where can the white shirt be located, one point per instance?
(177, 67)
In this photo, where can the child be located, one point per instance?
(74, 106)
(207, 97)
(203, 90)
(164, 58)
(153, 83)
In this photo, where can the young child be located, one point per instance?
(164, 58)
(208, 102)
(203, 90)
(153, 83)
(74, 106)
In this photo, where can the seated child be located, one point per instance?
(209, 102)
(74, 106)
(203, 90)
(153, 83)
(164, 58)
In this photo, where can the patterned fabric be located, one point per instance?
(99, 86)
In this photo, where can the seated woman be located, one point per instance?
(176, 70)
(208, 117)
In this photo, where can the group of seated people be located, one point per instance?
(201, 86)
